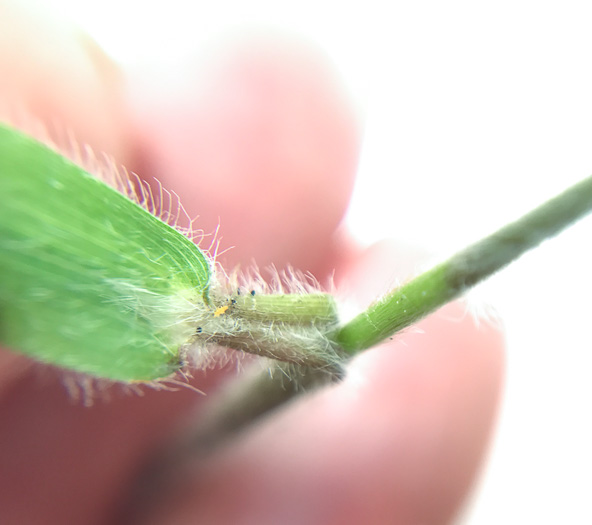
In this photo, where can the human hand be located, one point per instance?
(399, 441)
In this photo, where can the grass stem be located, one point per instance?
(429, 291)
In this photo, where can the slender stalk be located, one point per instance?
(445, 282)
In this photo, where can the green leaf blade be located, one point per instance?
(89, 280)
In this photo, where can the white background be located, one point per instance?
(476, 112)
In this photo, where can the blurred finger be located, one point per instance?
(266, 143)
(399, 441)
(58, 75)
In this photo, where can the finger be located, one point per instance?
(399, 441)
(67, 463)
(58, 75)
(266, 143)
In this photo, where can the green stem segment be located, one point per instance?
(287, 327)
(445, 282)
(299, 309)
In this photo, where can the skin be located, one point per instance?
(401, 440)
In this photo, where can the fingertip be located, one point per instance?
(56, 74)
(435, 391)
(265, 143)
(399, 441)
